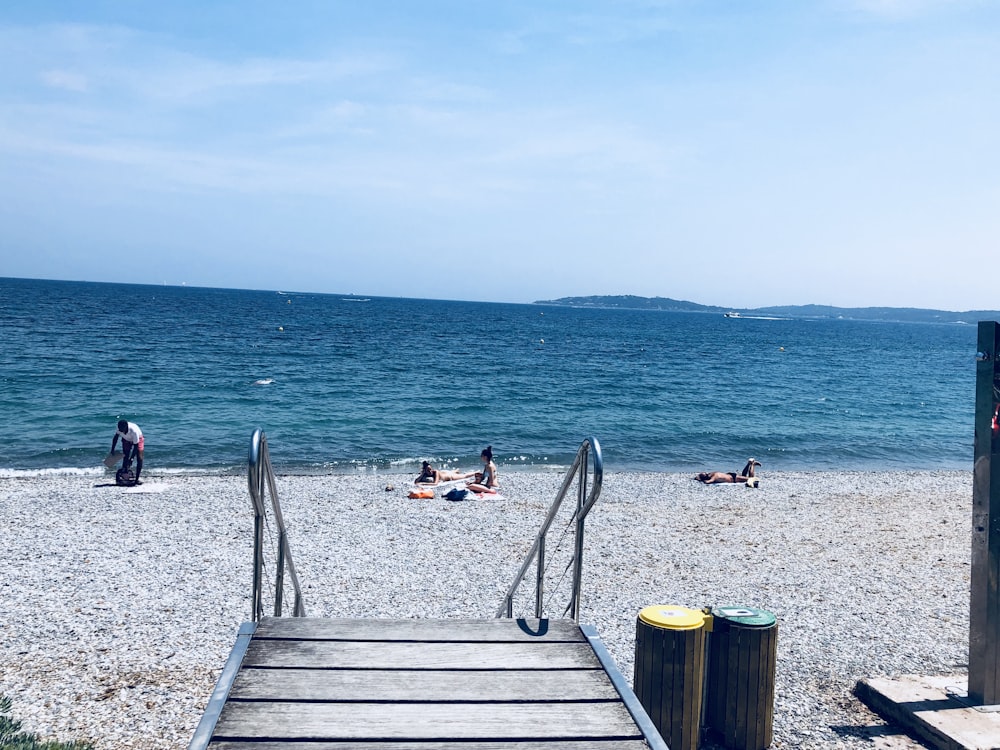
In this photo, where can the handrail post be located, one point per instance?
(260, 479)
(255, 484)
(279, 576)
(578, 550)
(585, 501)
(256, 605)
(540, 579)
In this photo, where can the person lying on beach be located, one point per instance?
(729, 477)
(485, 480)
(430, 475)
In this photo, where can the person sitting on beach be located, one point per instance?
(485, 480)
(133, 444)
(430, 475)
(729, 477)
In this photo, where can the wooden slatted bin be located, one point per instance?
(742, 654)
(669, 671)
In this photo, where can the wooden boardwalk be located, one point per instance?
(321, 684)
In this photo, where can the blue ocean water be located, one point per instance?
(350, 384)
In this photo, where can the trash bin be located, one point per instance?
(742, 653)
(669, 671)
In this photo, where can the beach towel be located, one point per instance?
(490, 495)
(421, 494)
(440, 485)
(147, 489)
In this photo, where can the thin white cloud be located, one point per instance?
(64, 79)
(117, 61)
(342, 117)
(634, 23)
(437, 90)
(606, 149)
(898, 10)
(184, 77)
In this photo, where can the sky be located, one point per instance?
(743, 154)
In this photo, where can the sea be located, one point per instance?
(346, 384)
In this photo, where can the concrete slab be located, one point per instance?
(936, 710)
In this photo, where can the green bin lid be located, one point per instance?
(746, 617)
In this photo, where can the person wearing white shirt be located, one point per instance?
(133, 444)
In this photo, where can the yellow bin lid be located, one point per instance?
(670, 617)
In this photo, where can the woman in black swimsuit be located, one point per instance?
(485, 480)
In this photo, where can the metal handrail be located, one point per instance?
(584, 503)
(260, 477)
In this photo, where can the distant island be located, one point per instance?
(893, 314)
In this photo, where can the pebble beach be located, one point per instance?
(120, 605)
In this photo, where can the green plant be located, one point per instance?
(12, 738)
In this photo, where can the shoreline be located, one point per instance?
(122, 606)
(412, 467)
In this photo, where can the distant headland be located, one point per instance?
(893, 314)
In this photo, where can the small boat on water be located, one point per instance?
(732, 315)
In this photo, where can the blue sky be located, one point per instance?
(837, 152)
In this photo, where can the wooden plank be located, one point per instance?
(588, 744)
(382, 655)
(367, 685)
(418, 630)
(741, 638)
(424, 721)
(767, 687)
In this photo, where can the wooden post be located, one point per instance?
(984, 609)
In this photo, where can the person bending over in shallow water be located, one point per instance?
(430, 475)
(485, 480)
(729, 477)
(133, 445)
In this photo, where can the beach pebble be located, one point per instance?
(121, 608)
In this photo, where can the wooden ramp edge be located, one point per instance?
(332, 684)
